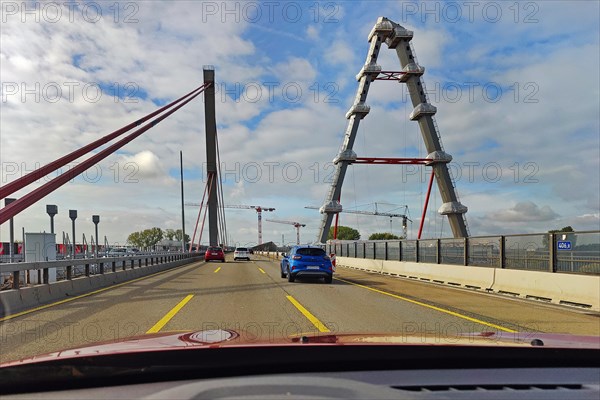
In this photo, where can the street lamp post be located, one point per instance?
(96, 220)
(73, 216)
(52, 210)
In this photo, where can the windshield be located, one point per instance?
(309, 251)
(438, 160)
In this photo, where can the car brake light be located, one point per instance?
(296, 257)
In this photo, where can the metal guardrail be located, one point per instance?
(569, 252)
(5, 258)
(74, 268)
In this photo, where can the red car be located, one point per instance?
(214, 253)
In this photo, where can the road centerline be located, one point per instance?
(168, 316)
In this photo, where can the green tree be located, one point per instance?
(170, 234)
(344, 233)
(152, 236)
(135, 239)
(146, 238)
(179, 233)
(383, 236)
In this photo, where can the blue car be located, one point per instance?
(306, 261)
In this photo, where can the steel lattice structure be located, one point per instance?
(397, 38)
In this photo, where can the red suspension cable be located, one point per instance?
(337, 216)
(199, 213)
(30, 198)
(33, 176)
(212, 177)
(426, 203)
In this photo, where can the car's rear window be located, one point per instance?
(214, 248)
(241, 249)
(310, 251)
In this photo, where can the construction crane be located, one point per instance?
(405, 219)
(258, 209)
(297, 225)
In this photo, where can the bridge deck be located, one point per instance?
(251, 297)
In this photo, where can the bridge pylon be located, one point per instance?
(210, 123)
(397, 38)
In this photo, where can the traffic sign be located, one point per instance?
(563, 245)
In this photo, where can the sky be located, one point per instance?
(516, 85)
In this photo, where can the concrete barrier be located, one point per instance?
(558, 288)
(17, 300)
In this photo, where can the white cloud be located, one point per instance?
(146, 164)
(547, 152)
(294, 69)
(524, 212)
(340, 53)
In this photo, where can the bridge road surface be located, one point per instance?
(252, 298)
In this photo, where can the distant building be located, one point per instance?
(168, 245)
(269, 246)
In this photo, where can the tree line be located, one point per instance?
(148, 238)
(348, 233)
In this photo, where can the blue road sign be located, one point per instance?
(563, 245)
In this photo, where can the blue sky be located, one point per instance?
(515, 83)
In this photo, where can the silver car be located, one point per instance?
(241, 253)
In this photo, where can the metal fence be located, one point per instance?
(19, 274)
(576, 252)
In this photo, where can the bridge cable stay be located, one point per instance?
(426, 203)
(210, 188)
(403, 183)
(441, 229)
(220, 197)
(354, 191)
(37, 194)
(37, 174)
(198, 219)
(259, 210)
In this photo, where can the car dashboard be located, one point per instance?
(317, 371)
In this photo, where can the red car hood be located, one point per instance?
(226, 338)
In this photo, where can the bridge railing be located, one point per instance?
(5, 258)
(16, 275)
(569, 252)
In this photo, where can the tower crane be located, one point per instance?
(384, 214)
(297, 225)
(258, 209)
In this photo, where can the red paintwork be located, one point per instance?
(33, 176)
(212, 339)
(32, 197)
(426, 204)
(209, 256)
(391, 160)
